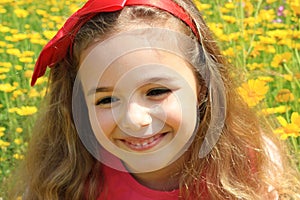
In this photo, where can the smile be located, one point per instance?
(143, 143)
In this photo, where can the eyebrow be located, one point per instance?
(99, 89)
(150, 80)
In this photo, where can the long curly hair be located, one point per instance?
(240, 166)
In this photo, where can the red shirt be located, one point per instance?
(121, 185)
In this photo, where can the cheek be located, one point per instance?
(173, 113)
(181, 112)
(103, 122)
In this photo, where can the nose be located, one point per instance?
(136, 117)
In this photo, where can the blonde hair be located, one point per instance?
(58, 166)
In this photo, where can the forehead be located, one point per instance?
(137, 66)
(143, 47)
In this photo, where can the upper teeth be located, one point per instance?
(144, 142)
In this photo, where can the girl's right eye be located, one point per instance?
(106, 101)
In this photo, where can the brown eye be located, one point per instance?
(107, 100)
(158, 92)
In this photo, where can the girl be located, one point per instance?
(141, 106)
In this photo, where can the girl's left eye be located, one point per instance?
(158, 92)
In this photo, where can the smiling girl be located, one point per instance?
(140, 106)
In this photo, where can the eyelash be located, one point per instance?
(106, 100)
(158, 92)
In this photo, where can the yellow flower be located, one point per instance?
(18, 156)
(18, 37)
(265, 78)
(26, 59)
(2, 129)
(54, 9)
(21, 13)
(18, 67)
(17, 93)
(235, 36)
(251, 22)
(230, 5)
(19, 130)
(296, 8)
(14, 51)
(4, 29)
(248, 7)
(280, 58)
(229, 52)
(267, 15)
(254, 66)
(4, 144)
(16, 84)
(2, 43)
(275, 110)
(288, 77)
(42, 80)
(12, 110)
(4, 70)
(284, 95)
(26, 110)
(278, 33)
(266, 40)
(6, 64)
(286, 42)
(253, 91)
(289, 129)
(295, 34)
(3, 76)
(17, 141)
(28, 73)
(27, 53)
(225, 10)
(6, 87)
(38, 41)
(41, 12)
(229, 19)
(201, 6)
(33, 93)
(49, 34)
(2, 10)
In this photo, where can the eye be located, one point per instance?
(106, 101)
(157, 92)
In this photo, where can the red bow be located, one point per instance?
(57, 47)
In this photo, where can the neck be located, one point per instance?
(165, 179)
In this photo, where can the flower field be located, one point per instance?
(261, 38)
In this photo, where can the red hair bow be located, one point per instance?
(57, 47)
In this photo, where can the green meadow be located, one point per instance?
(260, 38)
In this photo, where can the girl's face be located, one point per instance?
(142, 106)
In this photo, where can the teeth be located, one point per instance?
(144, 143)
(151, 140)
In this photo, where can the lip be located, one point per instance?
(142, 144)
